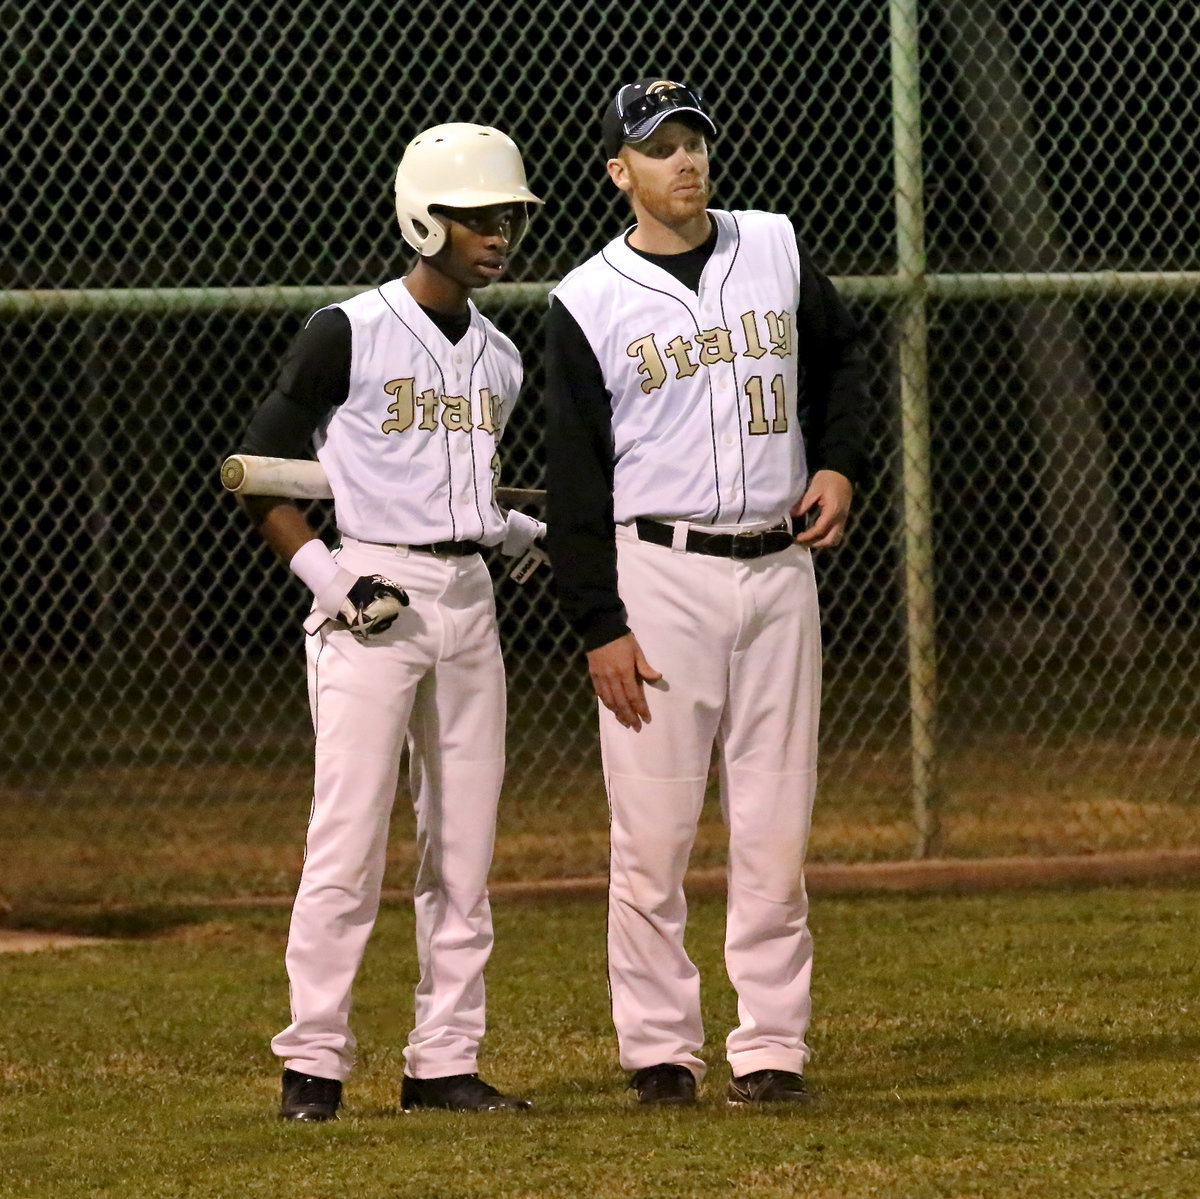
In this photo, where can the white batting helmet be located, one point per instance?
(459, 166)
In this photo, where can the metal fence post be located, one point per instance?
(912, 336)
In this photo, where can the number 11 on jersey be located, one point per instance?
(757, 423)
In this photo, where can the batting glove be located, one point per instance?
(520, 532)
(371, 605)
(365, 605)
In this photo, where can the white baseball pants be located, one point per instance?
(435, 677)
(738, 644)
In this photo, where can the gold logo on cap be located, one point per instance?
(663, 85)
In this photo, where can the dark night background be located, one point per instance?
(211, 145)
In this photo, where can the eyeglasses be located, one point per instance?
(660, 100)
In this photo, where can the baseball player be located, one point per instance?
(404, 392)
(684, 502)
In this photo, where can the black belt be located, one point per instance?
(456, 549)
(718, 545)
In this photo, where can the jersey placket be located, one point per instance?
(726, 419)
(460, 457)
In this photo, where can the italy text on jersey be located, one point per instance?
(756, 336)
(454, 413)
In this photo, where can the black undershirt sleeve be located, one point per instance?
(579, 483)
(313, 378)
(833, 387)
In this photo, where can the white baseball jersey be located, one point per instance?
(411, 453)
(721, 444)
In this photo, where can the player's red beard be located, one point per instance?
(663, 201)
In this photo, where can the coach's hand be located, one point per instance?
(618, 672)
(830, 493)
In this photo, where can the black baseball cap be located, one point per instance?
(638, 109)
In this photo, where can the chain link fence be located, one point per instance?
(1006, 193)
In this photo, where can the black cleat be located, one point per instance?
(664, 1084)
(307, 1097)
(457, 1093)
(769, 1086)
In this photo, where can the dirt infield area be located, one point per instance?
(955, 876)
(16, 940)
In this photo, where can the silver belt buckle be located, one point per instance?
(747, 544)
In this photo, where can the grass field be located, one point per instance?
(1015, 1044)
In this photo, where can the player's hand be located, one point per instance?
(371, 605)
(830, 493)
(618, 672)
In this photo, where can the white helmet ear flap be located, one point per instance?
(421, 229)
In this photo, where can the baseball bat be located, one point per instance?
(295, 478)
(302, 479)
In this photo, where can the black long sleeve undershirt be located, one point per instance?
(313, 378)
(579, 440)
(579, 483)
